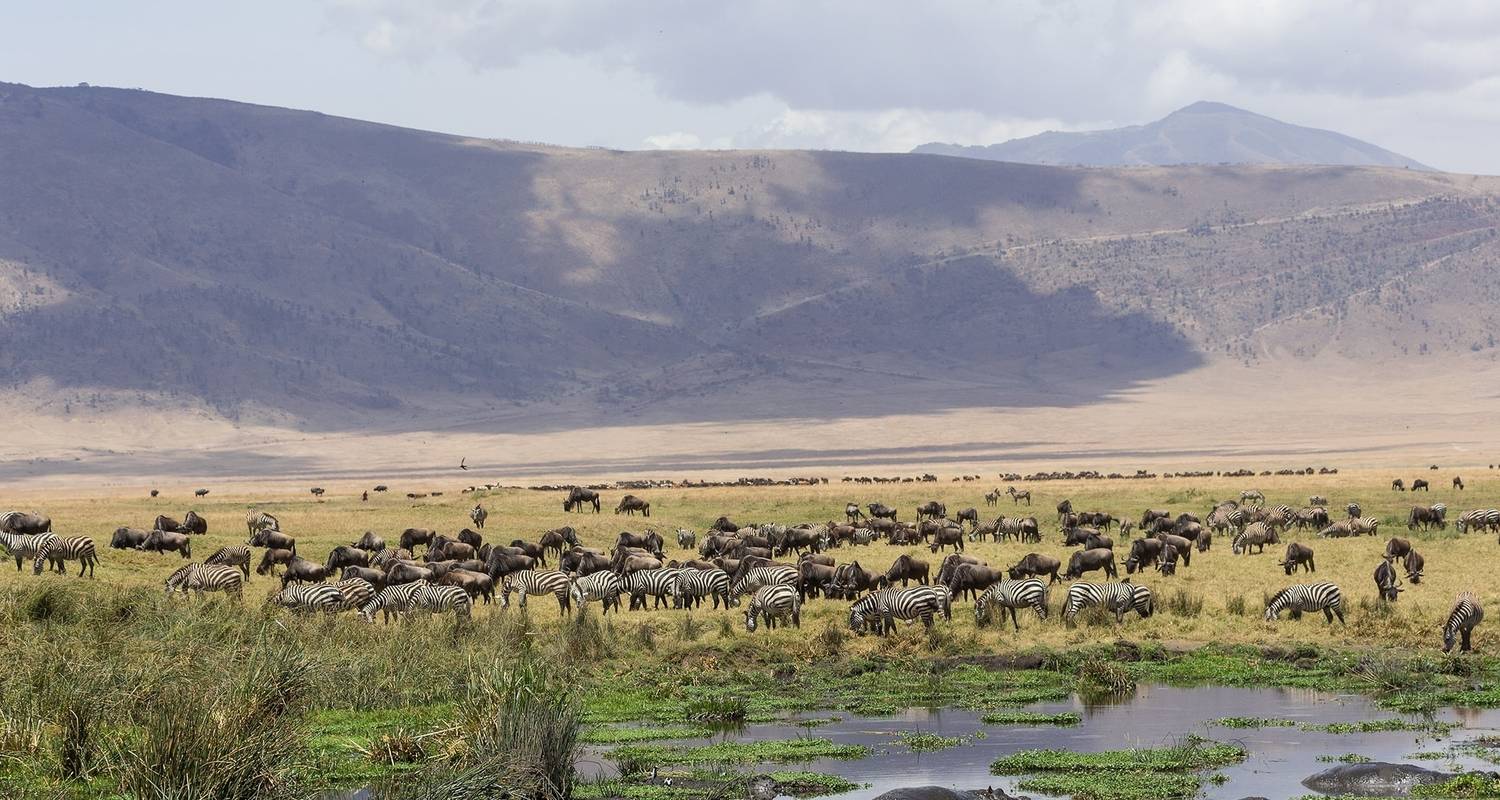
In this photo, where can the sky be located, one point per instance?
(1419, 78)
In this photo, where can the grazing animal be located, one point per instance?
(301, 570)
(1065, 507)
(1085, 561)
(1252, 495)
(346, 556)
(370, 543)
(1426, 517)
(372, 576)
(310, 598)
(193, 523)
(1035, 565)
(533, 583)
(630, 504)
(931, 509)
(380, 487)
(200, 492)
(128, 538)
(1297, 555)
(1010, 595)
(411, 537)
(392, 601)
(317, 491)
(1421, 484)
(1307, 597)
(59, 549)
(1120, 598)
(1317, 500)
(1257, 535)
(1396, 547)
(660, 584)
(972, 579)
(605, 587)
(165, 523)
(1386, 583)
(1354, 511)
(271, 558)
(25, 523)
(257, 521)
(160, 541)
(882, 511)
(947, 537)
(969, 515)
(752, 578)
(273, 538)
(435, 599)
(1413, 564)
(1016, 497)
(1465, 616)
(693, 585)
(686, 539)
(880, 609)
(406, 572)
(992, 498)
(200, 578)
(1142, 553)
(773, 603)
(1458, 483)
(1478, 520)
(1398, 485)
(579, 497)
(559, 538)
(356, 592)
(905, 568)
(24, 546)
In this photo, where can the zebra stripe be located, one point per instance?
(1117, 597)
(200, 578)
(1474, 520)
(605, 587)
(257, 521)
(774, 602)
(534, 583)
(435, 599)
(356, 591)
(695, 584)
(233, 556)
(1307, 597)
(888, 605)
(1365, 525)
(658, 583)
(1011, 595)
(304, 598)
(1466, 614)
(392, 600)
(756, 577)
(23, 546)
(58, 550)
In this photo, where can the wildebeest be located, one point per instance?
(582, 561)
(162, 541)
(402, 572)
(1413, 564)
(1427, 516)
(813, 578)
(165, 523)
(128, 538)
(1181, 544)
(881, 511)
(346, 556)
(200, 492)
(475, 584)
(375, 577)
(578, 497)
(1065, 507)
(650, 541)
(850, 579)
(931, 509)
(370, 543)
(193, 523)
(1143, 552)
(300, 570)
(1421, 484)
(797, 539)
(947, 537)
(1035, 565)
(970, 515)
(472, 538)
(630, 504)
(726, 525)
(905, 568)
(445, 549)
(1458, 483)
(852, 513)
(1098, 540)
(1398, 485)
(275, 539)
(972, 579)
(1396, 547)
(411, 537)
(559, 539)
(271, 558)
(1387, 585)
(1084, 561)
(1298, 555)
(478, 515)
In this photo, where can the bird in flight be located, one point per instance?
(461, 464)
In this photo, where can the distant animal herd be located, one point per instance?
(730, 562)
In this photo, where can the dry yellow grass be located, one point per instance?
(1454, 563)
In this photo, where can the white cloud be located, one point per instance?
(676, 140)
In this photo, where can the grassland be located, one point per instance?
(374, 703)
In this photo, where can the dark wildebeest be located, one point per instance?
(945, 569)
(193, 523)
(475, 584)
(1387, 585)
(1426, 517)
(629, 504)
(128, 538)
(970, 580)
(406, 572)
(165, 523)
(559, 539)
(1142, 553)
(155, 492)
(1398, 485)
(411, 537)
(852, 579)
(1065, 507)
(1098, 540)
(582, 561)
(1035, 565)
(881, 511)
(1396, 548)
(1182, 545)
(578, 497)
(1151, 515)
(970, 515)
(300, 569)
(445, 549)
(162, 541)
(499, 563)
(905, 568)
(346, 556)
(1421, 484)
(272, 557)
(931, 509)
(1084, 561)
(1413, 564)
(380, 487)
(1073, 537)
(536, 551)
(375, 577)
(798, 539)
(726, 525)
(1298, 555)
(852, 513)
(650, 541)
(815, 579)
(200, 492)
(818, 558)
(472, 538)
(1458, 483)
(370, 543)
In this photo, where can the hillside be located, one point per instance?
(230, 263)
(1202, 133)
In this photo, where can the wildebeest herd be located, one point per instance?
(772, 570)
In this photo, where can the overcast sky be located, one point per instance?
(1420, 78)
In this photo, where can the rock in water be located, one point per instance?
(1373, 779)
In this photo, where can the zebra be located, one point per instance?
(1478, 519)
(391, 600)
(356, 592)
(686, 539)
(888, 605)
(24, 546)
(1016, 497)
(1011, 595)
(304, 598)
(1257, 535)
(1317, 500)
(1120, 598)
(530, 582)
(478, 515)
(695, 584)
(756, 577)
(604, 586)
(992, 498)
(1010, 527)
(72, 548)
(200, 578)
(1354, 511)
(1304, 597)
(1465, 616)
(233, 556)
(435, 599)
(772, 603)
(1253, 494)
(257, 521)
(1365, 525)
(659, 583)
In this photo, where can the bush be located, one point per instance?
(1101, 676)
(1235, 604)
(1185, 604)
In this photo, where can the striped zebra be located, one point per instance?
(604, 586)
(391, 601)
(22, 546)
(1009, 527)
(200, 578)
(233, 556)
(257, 521)
(58, 550)
(772, 603)
(1305, 597)
(305, 598)
(1465, 616)
(356, 592)
(1120, 598)
(435, 599)
(534, 583)
(695, 584)
(756, 577)
(1010, 595)
(880, 609)
(660, 584)
(1364, 525)
(1354, 511)
(1476, 520)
